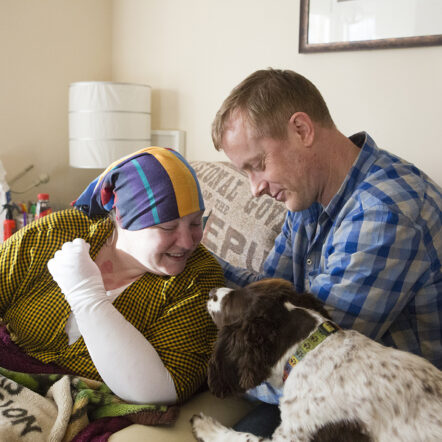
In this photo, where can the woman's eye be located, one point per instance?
(167, 228)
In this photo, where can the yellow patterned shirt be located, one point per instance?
(170, 311)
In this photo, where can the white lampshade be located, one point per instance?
(107, 121)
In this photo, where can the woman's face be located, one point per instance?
(165, 248)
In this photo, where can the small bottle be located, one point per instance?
(43, 208)
(9, 226)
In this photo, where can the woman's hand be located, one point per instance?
(78, 277)
(107, 333)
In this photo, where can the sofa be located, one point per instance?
(241, 229)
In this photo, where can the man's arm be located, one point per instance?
(375, 276)
(278, 264)
(236, 276)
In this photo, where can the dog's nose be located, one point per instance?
(212, 295)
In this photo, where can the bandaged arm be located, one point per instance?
(139, 376)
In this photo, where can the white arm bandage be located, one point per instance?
(126, 361)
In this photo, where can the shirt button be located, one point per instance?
(309, 261)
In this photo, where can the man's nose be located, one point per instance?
(258, 186)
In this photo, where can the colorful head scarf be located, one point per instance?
(149, 187)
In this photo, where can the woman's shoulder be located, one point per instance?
(72, 222)
(202, 259)
(204, 268)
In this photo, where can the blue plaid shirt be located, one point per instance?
(373, 255)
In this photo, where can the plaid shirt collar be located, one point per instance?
(358, 172)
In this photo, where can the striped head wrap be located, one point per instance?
(151, 186)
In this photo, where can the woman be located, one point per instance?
(124, 300)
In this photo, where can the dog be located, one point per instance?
(338, 385)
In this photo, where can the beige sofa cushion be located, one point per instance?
(227, 411)
(241, 228)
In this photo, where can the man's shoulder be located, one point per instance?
(397, 185)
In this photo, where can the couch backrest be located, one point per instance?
(241, 228)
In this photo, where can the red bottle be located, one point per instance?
(43, 208)
(9, 226)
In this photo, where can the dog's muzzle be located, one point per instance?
(214, 304)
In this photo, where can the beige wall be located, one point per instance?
(193, 52)
(44, 46)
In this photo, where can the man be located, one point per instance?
(363, 231)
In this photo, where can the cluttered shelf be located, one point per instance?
(19, 215)
(14, 214)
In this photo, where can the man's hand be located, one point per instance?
(78, 277)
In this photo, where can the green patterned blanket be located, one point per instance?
(53, 407)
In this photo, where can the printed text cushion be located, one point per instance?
(241, 228)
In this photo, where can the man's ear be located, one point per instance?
(303, 125)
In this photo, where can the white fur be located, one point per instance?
(206, 428)
(388, 397)
(396, 395)
(214, 303)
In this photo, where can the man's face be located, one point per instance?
(279, 168)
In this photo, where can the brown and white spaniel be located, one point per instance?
(338, 385)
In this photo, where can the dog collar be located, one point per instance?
(324, 330)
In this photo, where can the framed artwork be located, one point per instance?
(342, 25)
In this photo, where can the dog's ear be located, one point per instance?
(259, 340)
(307, 300)
(222, 376)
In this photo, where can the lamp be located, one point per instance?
(107, 120)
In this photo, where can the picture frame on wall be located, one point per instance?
(342, 25)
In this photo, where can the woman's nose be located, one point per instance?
(185, 238)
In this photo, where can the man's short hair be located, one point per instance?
(267, 99)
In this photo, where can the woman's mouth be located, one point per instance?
(177, 256)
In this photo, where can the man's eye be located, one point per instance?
(260, 165)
